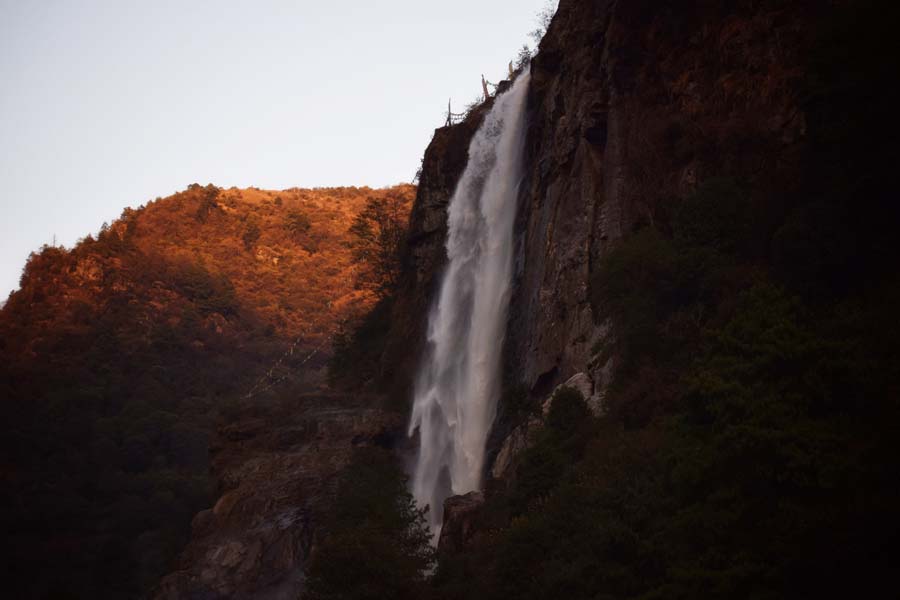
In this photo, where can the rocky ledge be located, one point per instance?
(276, 465)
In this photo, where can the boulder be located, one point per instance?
(458, 525)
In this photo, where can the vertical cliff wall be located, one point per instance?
(633, 104)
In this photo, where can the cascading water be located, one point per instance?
(458, 384)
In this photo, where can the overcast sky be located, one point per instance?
(109, 104)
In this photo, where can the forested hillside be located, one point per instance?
(120, 355)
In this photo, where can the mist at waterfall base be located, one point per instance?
(459, 381)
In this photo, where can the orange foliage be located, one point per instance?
(297, 274)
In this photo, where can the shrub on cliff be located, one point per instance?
(377, 542)
(251, 235)
(298, 223)
(377, 237)
(559, 445)
(357, 347)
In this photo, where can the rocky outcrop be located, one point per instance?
(458, 526)
(277, 468)
(581, 383)
(518, 441)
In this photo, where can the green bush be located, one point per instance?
(251, 235)
(718, 216)
(298, 223)
(210, 293)
(634, 285)
(377, 542)
(357, 348)
(559, 445)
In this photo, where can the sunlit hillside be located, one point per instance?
(285, 252)
(120, 355)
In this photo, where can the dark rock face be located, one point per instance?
(632, 106)
(458, 527)
(277, 471)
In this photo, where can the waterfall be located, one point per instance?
(459, 380)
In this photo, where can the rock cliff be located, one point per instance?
(632, 106)
(276, 466)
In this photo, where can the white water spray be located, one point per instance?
(458, 384)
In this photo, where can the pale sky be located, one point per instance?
(109, 104)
